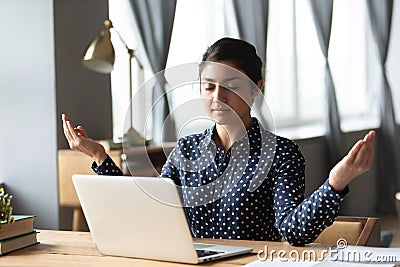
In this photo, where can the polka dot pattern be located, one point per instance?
(219, 196)
(108, 167)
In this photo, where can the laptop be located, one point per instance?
(142, 217)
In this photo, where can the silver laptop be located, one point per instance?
(142, 217)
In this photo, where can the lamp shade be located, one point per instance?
(100, 55)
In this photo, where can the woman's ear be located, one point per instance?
(257, 89)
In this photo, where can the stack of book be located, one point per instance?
(18, 234)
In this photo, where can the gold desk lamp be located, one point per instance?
(100, 57)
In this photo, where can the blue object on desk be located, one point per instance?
(387, 237)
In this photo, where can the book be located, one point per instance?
(23, 224)
(17, 242)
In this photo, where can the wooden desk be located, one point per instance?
(68, 248)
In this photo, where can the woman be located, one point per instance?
(231, 204)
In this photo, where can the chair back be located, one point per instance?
(358, 231)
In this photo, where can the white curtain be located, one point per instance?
(155, 19)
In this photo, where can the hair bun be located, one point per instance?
(240, 52)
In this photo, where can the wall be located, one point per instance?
(42, 43)
(28, 145)
(84, 95)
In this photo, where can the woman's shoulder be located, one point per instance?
(285, 142)
(286, 151)
(279, 141)
(283, 147)
(193, 140)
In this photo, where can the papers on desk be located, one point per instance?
(349, 256)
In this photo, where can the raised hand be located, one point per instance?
(79, 141)
(357, 161)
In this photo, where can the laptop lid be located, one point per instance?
(140, 217)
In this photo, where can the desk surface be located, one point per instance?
(66, 248)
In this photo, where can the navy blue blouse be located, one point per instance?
(254, 191)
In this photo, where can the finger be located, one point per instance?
(365, 150)
(72, 131)
(355, 150)
(67, 132)
(364, 157)
(369, 159)
(369, 149)
(65, 120)
(66, 124)
(81, 131)
(370, 138)
(78, 131)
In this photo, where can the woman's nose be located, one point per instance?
(219, 93)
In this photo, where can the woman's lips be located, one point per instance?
(219, 110)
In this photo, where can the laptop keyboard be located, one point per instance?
(204, 253)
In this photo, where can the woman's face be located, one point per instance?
(227, 93)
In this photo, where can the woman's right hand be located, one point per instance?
(79, 141)
(356, 162)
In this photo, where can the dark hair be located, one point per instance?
(240, 53)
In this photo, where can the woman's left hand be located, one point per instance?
(356, 162)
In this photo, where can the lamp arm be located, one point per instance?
(131, 52)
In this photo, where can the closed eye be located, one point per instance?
(231, 87)
(207, 86)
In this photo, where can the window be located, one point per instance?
(295, 67)
(197, 25)
(121, 16)
(295, 70)
(354, 66)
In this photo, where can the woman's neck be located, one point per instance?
(227, 134)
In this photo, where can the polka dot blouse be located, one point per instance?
(253, 191)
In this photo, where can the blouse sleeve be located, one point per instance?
(169, 169)
(108, 167)
(300, 220)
